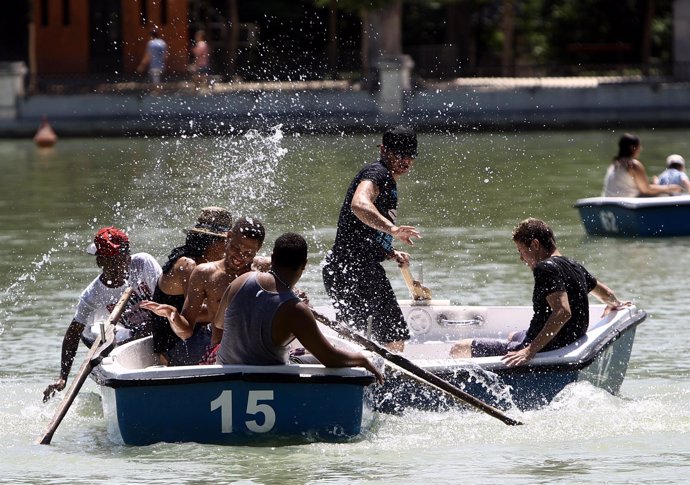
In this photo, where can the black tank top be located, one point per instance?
(163, 336)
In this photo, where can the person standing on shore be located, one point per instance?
(201, 66)
(155, 56)
(352, 272)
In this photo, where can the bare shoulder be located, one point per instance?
(184, 266)
(637, 165)
(296, 311)
(207, 270)
(175, 280)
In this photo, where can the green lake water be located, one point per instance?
(466, 193)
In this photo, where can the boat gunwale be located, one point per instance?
(548, 363)
(130, 379)
(634, 203)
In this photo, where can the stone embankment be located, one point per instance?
(504, 104)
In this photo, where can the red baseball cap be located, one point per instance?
(109, 241)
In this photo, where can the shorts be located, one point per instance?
(360, 290)
(192, 350)
(489, 347)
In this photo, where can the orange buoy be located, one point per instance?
(45, 136)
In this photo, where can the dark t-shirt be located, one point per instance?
(354, 239)
(555, 274)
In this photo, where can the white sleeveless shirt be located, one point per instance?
(619, 183)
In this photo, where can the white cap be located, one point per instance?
(675, 159)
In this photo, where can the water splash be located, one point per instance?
(16, 292)
(240, 171)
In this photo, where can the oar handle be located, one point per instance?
(416, 371)
(417, 291)
(95, 353)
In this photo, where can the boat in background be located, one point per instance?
(146, 403)
(600, 357)
(636, 216)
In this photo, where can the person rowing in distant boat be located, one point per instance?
(627, 177)
(208, 281)
(204, 242)
(260, 315)
(352, 272)
(119, 270)
(561, 306)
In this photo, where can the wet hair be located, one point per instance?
(289, 251)
(529, 229)
(194, 247)
(250, 227)
(627, 145)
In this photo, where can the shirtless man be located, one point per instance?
(208, 281)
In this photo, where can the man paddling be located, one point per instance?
(561, 306)
(120, 270)
(352, 271)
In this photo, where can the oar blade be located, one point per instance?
(417, 372)
(95, 353)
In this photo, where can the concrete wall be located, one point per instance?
(472, 107)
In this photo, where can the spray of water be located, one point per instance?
(240, 171)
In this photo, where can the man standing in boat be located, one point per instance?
(139, 271)
(560, 300)
(352, 272)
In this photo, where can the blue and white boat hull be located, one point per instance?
(229, 405)
(600, 357)
(636, 216)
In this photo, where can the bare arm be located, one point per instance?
(298, 320)
(144, 61)
(193, 303)
(605, 295)
(180, 322)
(560, 314)
(639, 175)
(363, 207)
(70, 344)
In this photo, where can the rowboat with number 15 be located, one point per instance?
(146, 403)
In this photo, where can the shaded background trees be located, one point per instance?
(317, 39)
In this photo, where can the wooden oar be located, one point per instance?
(93, 358)
(416, 371)
(417, 290)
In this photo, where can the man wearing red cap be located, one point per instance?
(120, 270)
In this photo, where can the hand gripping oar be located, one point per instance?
(93, 358)
(417, 290)
(416, 371)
